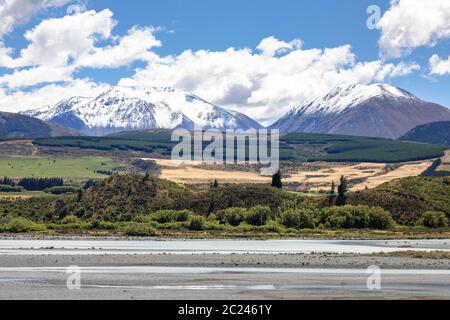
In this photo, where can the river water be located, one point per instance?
(100, 247)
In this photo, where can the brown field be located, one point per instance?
(317, 176)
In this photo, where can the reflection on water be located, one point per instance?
(100, 247)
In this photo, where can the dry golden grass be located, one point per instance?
(322, 178)
(371, 175)
(189, 173)
(405, 170)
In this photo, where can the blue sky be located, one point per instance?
(215, 26)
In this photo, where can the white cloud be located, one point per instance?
(439, 66)
(271, 46)
(15, 101)
(78, 7)
(16, 12)
(56, 41)
(132, 47)
(409, 24)
(59, 47)
(262, 85)
(35, 76)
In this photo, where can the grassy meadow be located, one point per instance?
(43, 167)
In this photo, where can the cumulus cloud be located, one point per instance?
(56, 41)
(409, 24)
(271, 46)
(132, 47)
(16, 12)
(49, 95)
(263, 85)
(59, 47)
(439, 66)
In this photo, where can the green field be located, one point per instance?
(39, 167)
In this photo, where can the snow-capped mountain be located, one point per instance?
(376, 110)
(137, 108)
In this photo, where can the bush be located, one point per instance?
(232, 216)
(258, 216)
(197, 223)
(139, 230)
(62, 190)
(167, 216)
(298, 218)
(356, 217)
(8, 188)
(71, 219)
(102, 225)
(20, 225)
(434, 219)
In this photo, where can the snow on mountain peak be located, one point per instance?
(344, 97)
(122, 107)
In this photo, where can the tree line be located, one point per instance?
(33, 184)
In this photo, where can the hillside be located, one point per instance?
(301, 147)
(435, 133)
(16, 126)
(408, 198)
(377, 110)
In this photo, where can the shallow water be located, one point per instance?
(216, 270)
(101, 247)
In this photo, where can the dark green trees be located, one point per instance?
(276, 180)
(342, 192)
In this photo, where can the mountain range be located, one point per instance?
(138, 108)
(377, 110)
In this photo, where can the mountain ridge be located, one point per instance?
(377, 110)
(434, 133)
(17, 126)
(139, 108)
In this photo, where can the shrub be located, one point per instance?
(167, 216)
(434, 219)
(232, 216)
(358, 217)
(258, 216)
(298, 218)
(102, 225)
(70, 219)
(20, 225)
(139, 230)
(380, 219)
(197, 223)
